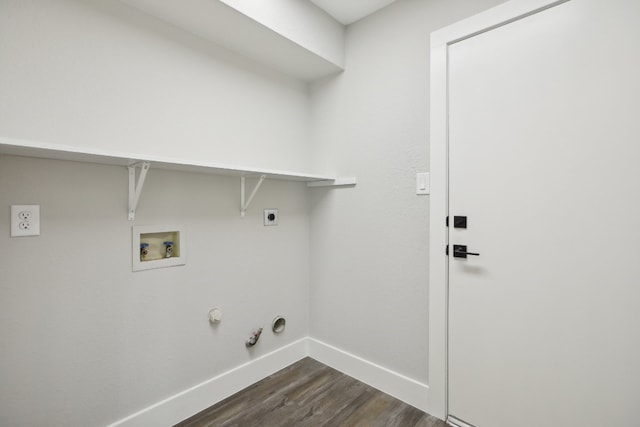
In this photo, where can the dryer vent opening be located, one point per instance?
(278, 324)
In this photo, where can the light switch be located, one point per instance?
(422, 183)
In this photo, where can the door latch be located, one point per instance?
(460, 251)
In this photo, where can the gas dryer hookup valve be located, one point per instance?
(253, 339)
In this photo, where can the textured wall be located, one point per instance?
(91, 342)
(370, 243)
(97, 73)
(85, 341)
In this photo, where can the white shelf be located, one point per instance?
(44, 150)
(27, 148)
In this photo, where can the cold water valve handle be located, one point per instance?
(168, 249)
(253, 339)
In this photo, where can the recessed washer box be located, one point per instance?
(157, 247)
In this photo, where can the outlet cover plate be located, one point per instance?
(25, 220)
(271, 217)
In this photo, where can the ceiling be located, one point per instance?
(349, 11)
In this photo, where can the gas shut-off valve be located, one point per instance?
(253, 339)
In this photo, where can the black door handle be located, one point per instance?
(460, 251)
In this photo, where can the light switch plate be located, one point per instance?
(422, 183)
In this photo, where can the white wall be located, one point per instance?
(101, 74)
(84, 340)
(300, 21)
(90, 342)
(370, 244)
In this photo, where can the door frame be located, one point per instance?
(438, 207)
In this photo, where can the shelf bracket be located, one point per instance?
(338, 182)
(136, 188)
(244, 205)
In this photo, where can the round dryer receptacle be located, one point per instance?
(278, 324)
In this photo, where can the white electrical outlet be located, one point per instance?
(25, 220)
(271, 217)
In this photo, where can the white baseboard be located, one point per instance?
(197, 398)
(399, 386)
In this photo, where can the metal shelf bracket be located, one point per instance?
(136, 188)
(244, 205)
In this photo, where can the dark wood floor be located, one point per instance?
(310, 394)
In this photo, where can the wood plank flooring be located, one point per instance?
(310, 394)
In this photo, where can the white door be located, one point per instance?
(544, 161)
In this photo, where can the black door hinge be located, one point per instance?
(447, 221)
(447, 250)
